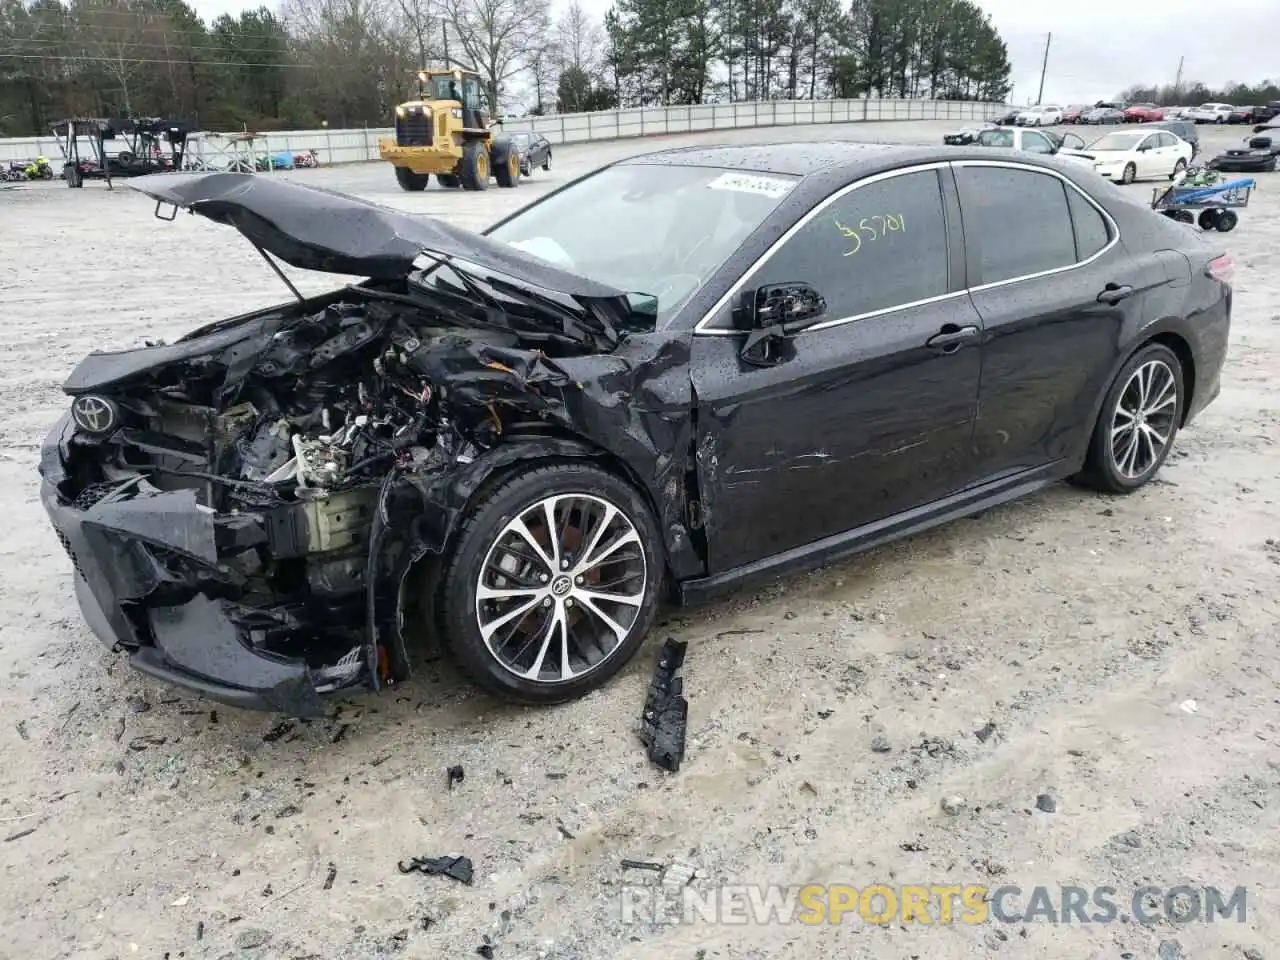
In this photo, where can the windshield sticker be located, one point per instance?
(750, 183)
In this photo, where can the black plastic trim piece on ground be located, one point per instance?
(459, 868)
(666, 712)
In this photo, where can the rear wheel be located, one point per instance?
(553, 584)
(474, 168)
(1227, 221)
(411, 181)
(1178, 168)
(1138, 422)
(1208, 219)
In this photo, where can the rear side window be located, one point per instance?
(1019, 218)
(880, 246)
(1090, 227)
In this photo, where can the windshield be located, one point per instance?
(651, 229)
(1118, 141)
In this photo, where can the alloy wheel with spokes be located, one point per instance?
(1144, 419)
(561, 587)
(1139, 420)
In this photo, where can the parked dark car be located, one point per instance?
(1247, 114)
(1260, 153)
(966, 135)
(1103, 114)
(1184, 130)
(1007, 119)
(687, 371)
(534, 150)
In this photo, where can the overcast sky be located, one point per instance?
(1100, 46)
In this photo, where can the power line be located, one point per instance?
(206, 63)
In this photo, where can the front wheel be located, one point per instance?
(506, 163)
(413, 182)
(1138, 422)
(553, 583)
(1130, 173)
(546, 164)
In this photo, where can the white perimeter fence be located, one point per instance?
(353, 146)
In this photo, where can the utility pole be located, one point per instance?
(444, 30)
(1177, 81)
(1044, 67)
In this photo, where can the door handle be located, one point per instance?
(1115, 292)
(950, 337)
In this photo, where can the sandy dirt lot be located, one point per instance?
(1073, 629)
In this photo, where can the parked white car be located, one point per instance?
(1040, 116)
(1126, 156)
(1066, 145)
(1209, 113)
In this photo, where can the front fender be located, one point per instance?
(446, 496)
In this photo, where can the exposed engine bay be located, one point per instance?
(293, 440)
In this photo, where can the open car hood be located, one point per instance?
(316, 229)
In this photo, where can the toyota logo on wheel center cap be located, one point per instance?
(561, 585)
(94, 414)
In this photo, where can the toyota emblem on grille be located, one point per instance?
(94, 414)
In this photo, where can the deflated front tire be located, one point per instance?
(553, 584)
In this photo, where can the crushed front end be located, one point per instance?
(241, 506)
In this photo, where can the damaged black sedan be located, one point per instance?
(683, 372)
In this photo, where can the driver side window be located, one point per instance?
(879, 246)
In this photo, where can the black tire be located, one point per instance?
(546, 164)
(413, 182)
(473, 170)
(1178, 168)
(458, 609)
(505, 159)
(449, 181)
(1130, 173)
(1101, 470)
(1227, 221)
(1208, 219)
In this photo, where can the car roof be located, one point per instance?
(844, 159)
(790, 159)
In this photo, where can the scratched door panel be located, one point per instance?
(862, 418)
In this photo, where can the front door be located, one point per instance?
(870, 412)
(1050, 283)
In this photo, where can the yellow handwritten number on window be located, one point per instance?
(872, 227)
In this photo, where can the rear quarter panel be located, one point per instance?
(1192, 307)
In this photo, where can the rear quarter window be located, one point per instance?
(1090, 227)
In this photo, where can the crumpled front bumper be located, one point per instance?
(118, 550)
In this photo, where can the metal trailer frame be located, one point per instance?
(142, 137)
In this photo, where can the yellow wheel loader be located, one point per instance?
(447, 131)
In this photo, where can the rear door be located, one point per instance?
(1053, 286)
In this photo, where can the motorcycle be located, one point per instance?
(37, 169)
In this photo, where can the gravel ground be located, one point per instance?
(135, 821)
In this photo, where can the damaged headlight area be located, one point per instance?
(241, 506)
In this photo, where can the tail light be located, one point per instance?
(1222, 268)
